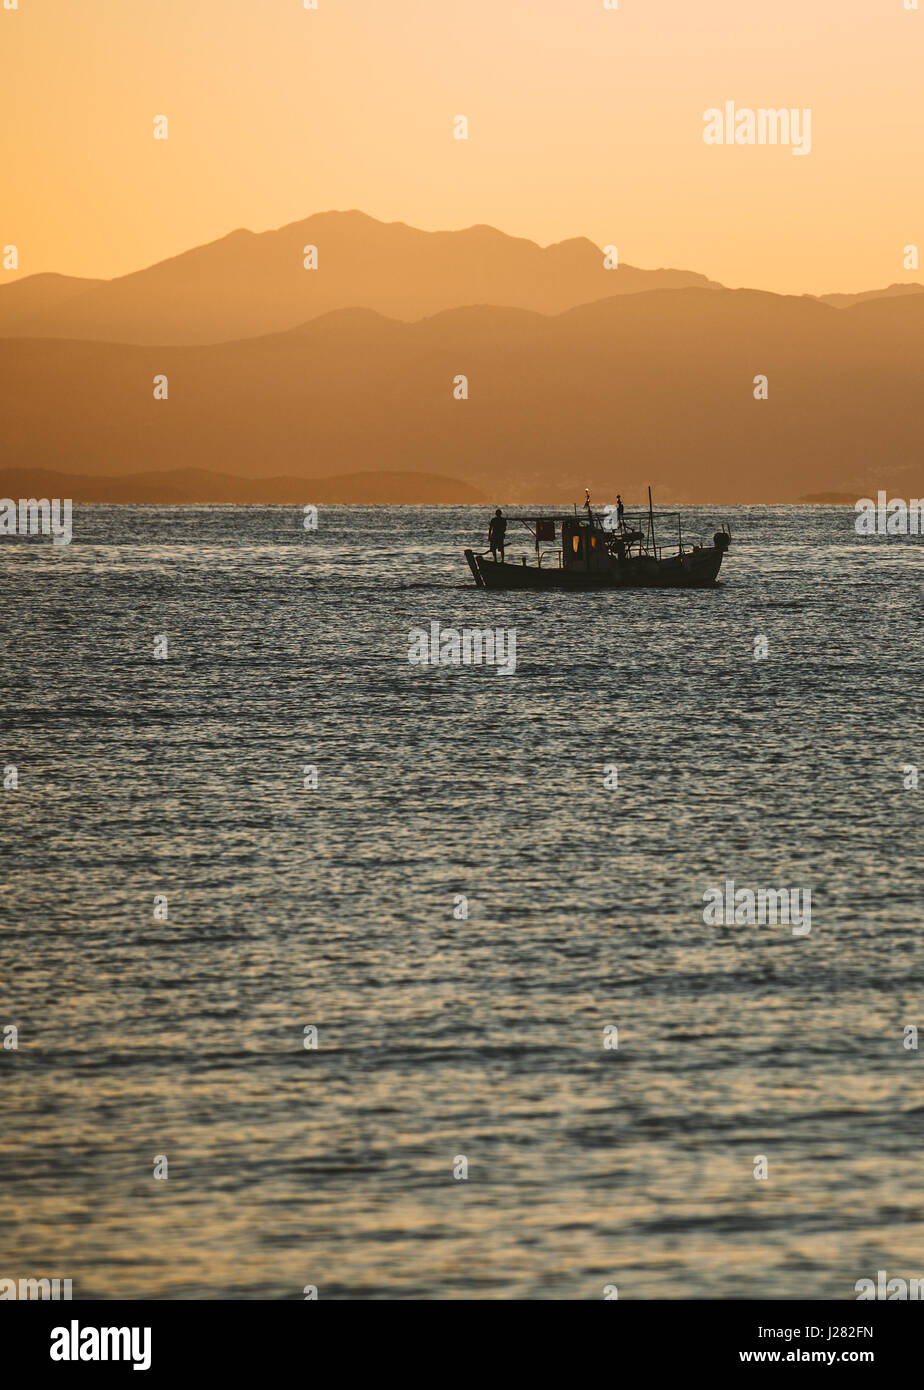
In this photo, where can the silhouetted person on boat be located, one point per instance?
(620, 512)
(496, 533)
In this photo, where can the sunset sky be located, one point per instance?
(583, 122)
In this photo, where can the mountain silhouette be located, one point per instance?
(198, 485)
(249, 284)
(653, 387)
(25, 301)
(843, 301)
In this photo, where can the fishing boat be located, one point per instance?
(585, 551)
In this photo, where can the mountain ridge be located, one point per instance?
(248, 284)
(201, 486)
(620, 392)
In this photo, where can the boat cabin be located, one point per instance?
(581, 543)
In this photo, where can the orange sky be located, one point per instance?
(583, 122)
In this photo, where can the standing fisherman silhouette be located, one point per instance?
(620, 512)
(496, 533)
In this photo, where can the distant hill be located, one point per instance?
(197, 486)
(650, 387)
(23, 301)
(255, 283)
(845, 301)
(249, 284)
(834, 499)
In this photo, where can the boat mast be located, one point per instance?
(651, 520)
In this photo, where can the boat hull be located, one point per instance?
(696, 569)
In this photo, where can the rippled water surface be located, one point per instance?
(440, 1037)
